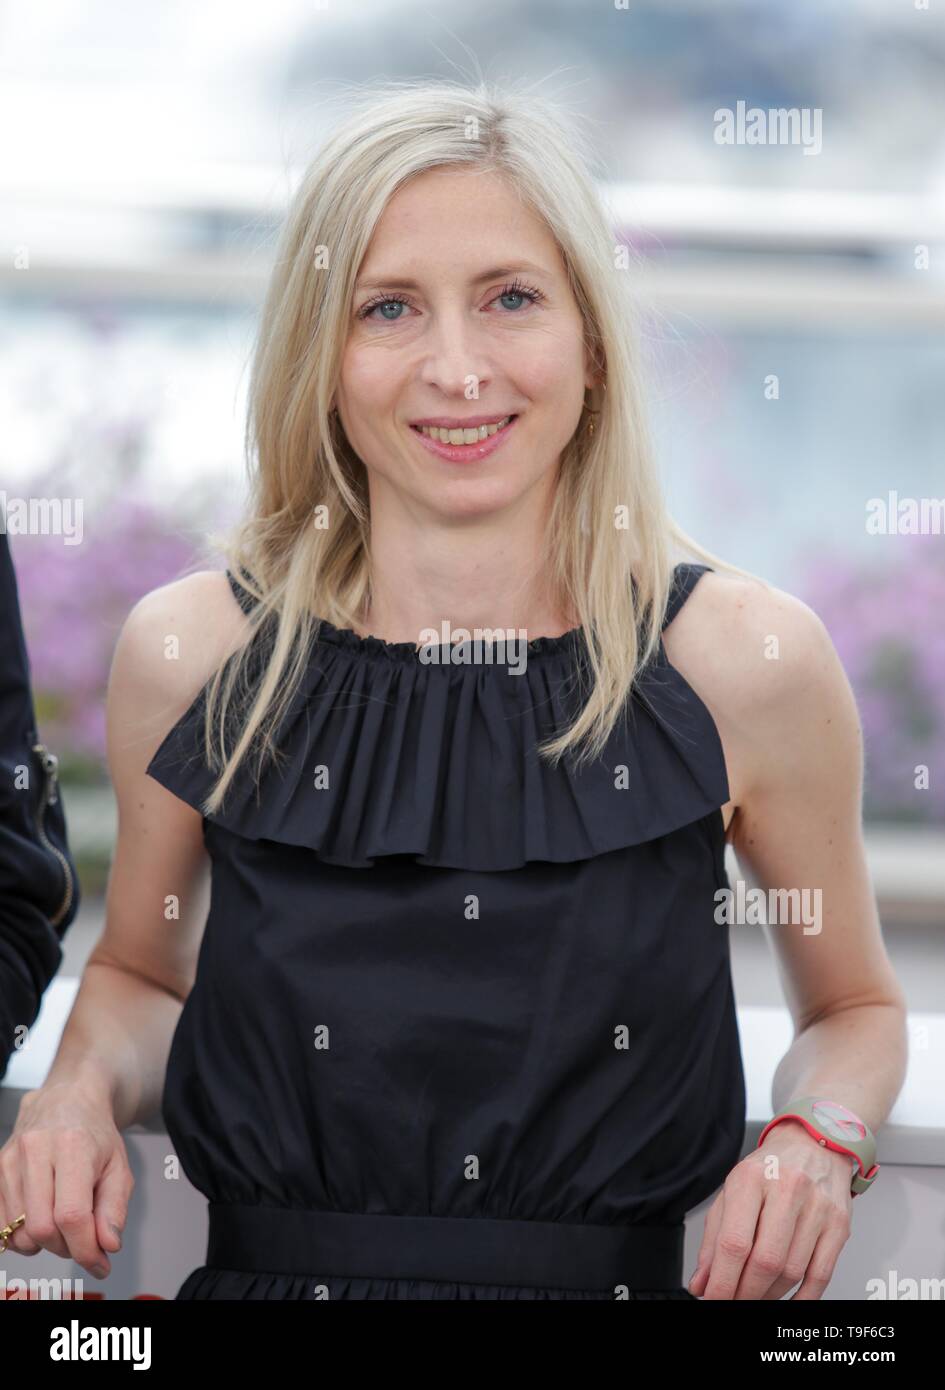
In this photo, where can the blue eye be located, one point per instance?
(391, 304)
(388, 301)
(523, 293)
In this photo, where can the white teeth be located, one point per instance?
(463, 436)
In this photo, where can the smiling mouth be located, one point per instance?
(474, 435)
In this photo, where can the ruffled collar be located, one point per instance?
(383, 754)
(366, 645)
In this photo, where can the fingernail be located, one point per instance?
(99, 1271)
(116, 1233)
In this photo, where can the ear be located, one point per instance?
(593, 371)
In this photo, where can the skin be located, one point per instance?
(793, 747)
(463, 541)
(447, 539)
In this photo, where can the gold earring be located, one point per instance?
(592, 413)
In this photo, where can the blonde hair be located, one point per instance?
(299, 459)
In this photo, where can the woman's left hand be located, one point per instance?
(765, 1233)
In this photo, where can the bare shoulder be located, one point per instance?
(173, 640)
(763, 663)
(752, 640)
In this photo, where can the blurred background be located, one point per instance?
(792, 308)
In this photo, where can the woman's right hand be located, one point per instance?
(65, 1166)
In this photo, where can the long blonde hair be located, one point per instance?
(609, 527)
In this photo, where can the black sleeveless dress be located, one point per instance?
(463, 1026)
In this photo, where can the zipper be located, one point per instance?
(50, 796)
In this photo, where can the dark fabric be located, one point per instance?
(454, 983)
(468, 1250)
(39, 888)
(438, 761)
(208, 1284)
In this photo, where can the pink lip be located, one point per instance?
(448, 422)
(466, 453)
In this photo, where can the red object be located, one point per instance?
(821, 1139)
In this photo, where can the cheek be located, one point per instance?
(551, 369)
(368, 380)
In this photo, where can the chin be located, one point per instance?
(468, 499)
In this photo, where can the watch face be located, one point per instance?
(837, 1121)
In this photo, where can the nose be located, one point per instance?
(454, 362)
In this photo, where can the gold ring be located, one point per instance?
(7, 1231)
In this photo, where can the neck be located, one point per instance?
(479, 572)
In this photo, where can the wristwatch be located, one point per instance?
(836, 1127)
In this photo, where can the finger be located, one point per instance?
(111, 1201)
(72, 1213)
(806, 1236)
(744, 1195)
(704, 1259)
(781, 1213)
(822, 1263)
(38, 1187)
(12, 1206)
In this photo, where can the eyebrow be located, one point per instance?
(498, 272)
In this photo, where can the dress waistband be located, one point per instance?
(466, 1250)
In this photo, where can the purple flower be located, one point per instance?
(888, 626)
(74, 600)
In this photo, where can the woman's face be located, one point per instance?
(462, 315)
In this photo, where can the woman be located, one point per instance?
(461, 1024)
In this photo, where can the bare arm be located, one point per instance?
(64, 1165)
(784, 1213)
(793, 734)
(801, 826)
(118, 1035)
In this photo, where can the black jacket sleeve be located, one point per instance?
(39, 887)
